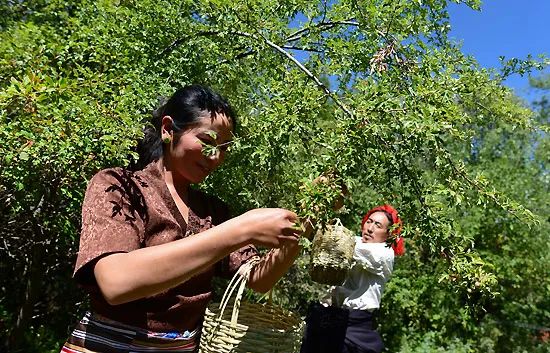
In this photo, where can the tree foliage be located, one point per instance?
(516, 162)
(369, 94)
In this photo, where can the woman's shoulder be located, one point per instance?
(118, 184)
(109, 177)
(104, 178)
(117, 192)
(121, 175)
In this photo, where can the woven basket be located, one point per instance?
(332, 254)
(248, 327)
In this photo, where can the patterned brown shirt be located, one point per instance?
(125, 211)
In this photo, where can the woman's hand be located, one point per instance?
(270, 227)
(275, 228)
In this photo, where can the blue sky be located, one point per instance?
(513, 28)
(509, 28)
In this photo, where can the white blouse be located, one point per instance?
(366, 279)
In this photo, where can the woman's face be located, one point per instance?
(375, 229)
(197, 151)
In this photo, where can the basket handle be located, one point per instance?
(238, 283)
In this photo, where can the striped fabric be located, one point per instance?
(93, 335)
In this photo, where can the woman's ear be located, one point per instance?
(166, 128)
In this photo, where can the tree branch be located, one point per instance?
(302, 32)
(170, 48)
(493, 196)
(292, 47)
(301, 67)
(280, 49)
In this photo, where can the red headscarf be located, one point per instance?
(398, 245)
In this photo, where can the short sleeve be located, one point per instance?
(374, 258)
(113, 217)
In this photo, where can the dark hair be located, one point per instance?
(186, 106)
(389, 217)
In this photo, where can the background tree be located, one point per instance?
(423, 315)
(370, 94)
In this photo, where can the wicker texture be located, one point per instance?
(332, 254)
(242, 327)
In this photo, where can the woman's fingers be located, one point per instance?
(285, 240)
(270, 226)
(291, 216)
(294, 231)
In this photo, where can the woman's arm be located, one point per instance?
(124, 277)
(273, 266)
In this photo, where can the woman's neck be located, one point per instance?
(179, 190)
(173, 180)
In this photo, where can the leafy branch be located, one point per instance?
(480, 186)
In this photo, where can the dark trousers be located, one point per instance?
(336, 330)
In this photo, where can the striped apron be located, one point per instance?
(93, 334)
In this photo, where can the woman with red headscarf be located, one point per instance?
(344, 321)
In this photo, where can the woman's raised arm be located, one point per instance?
(124, 277)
